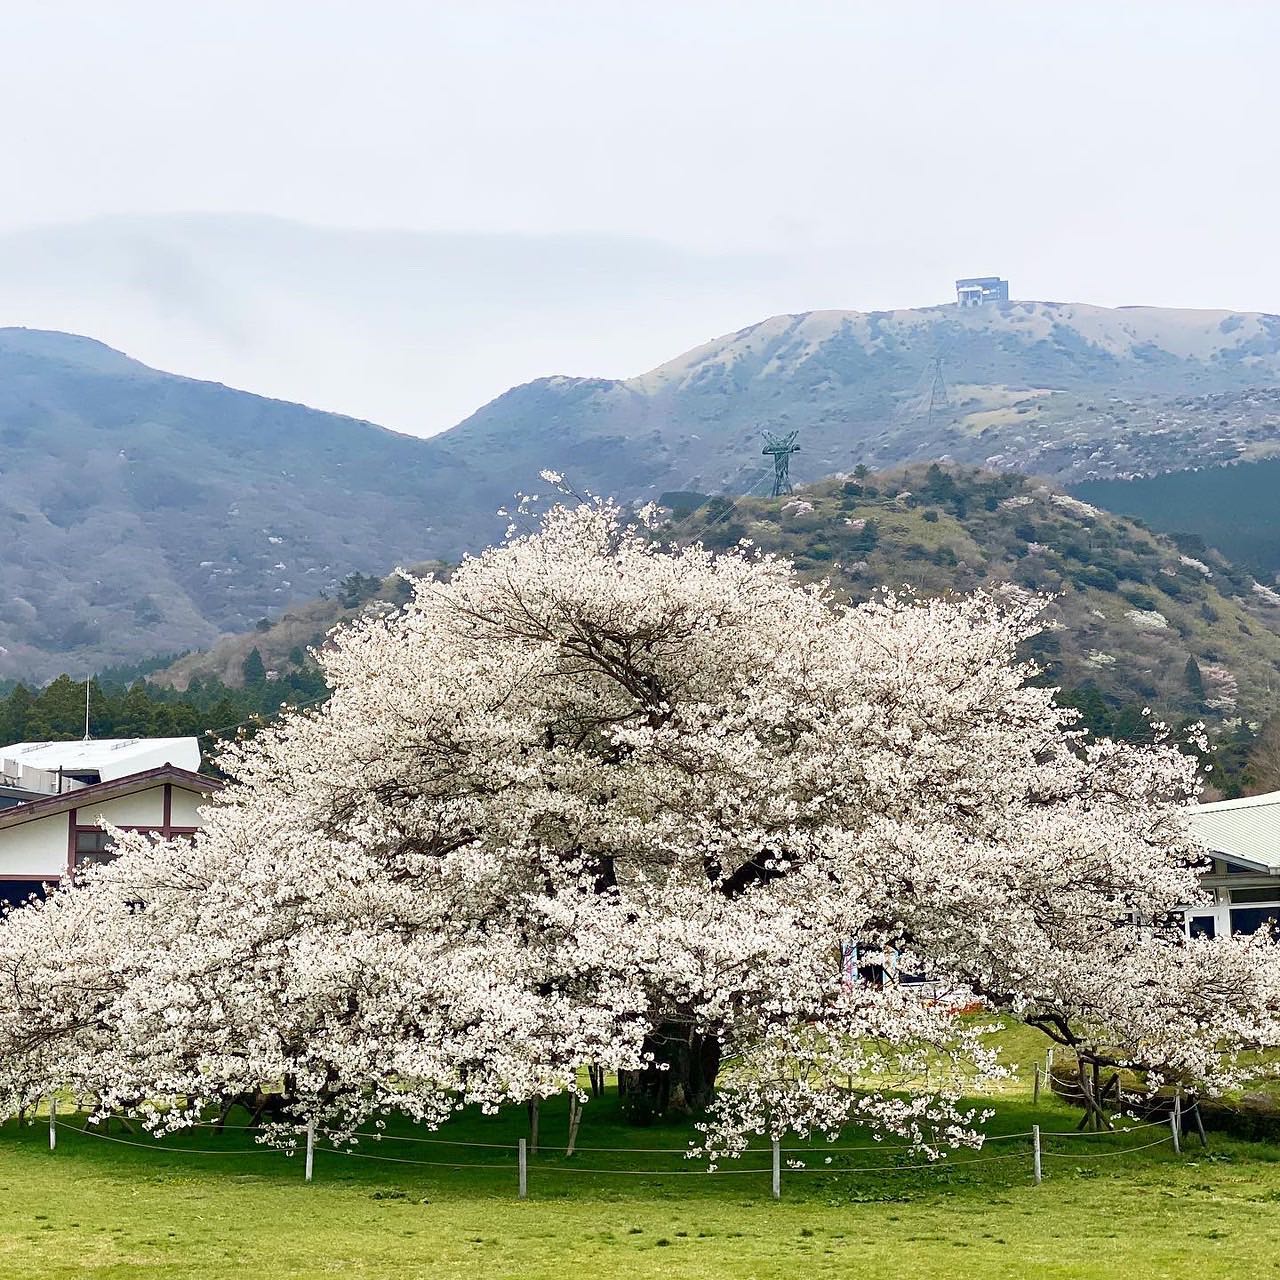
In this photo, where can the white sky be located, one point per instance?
(1106, 152)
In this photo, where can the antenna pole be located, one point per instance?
(88, 680)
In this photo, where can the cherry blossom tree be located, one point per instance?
(595, 802)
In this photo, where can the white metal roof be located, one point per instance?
(1245, 830)
(110, 758)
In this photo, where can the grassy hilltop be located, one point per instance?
(1133, 621)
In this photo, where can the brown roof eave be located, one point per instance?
(101, 792)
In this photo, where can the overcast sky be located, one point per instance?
(1106, 152)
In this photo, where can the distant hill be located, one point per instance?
(1066, 390)
(1134, 621)
(145, 513)
(1233, 508)
(284, 643)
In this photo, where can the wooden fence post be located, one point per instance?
(575, 1120)
(533, 1126)
(53, 1121)
(311, 1148)
(1175, 1124)
(524, 1168)
(777, 1169)
(1035, 1097)
(1204, 1141)
(1035, 1151)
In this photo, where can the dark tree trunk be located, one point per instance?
(680, 1080)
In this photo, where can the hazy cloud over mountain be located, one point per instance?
(414, 330)
(590, 187)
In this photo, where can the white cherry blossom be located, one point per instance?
(596, 801)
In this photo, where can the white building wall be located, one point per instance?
(144, 809)
(184, 810)
(35, 850)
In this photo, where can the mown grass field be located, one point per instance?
(104, 1209)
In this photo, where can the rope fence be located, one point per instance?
(1035, 1154)
(1103, 1155)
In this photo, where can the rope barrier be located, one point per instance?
(661, 1151)
(927, 1164)
(426, 1164)
(648, 1173)
(444, 1164)
(1103, 1155)
(1103, 1133)
(793, 1167)
(438, 1142)
(511, 1146)
(880, 1146)
(236, 1128)
(1071, 1085)
(156, 1146)
(653, 1173)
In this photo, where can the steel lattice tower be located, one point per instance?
(938, 398)
(781, 447)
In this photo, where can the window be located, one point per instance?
(1200, 926)
(93, 847)
(1251, 919)
(16, 892)
(1265, 894)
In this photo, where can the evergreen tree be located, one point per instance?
(136, 713)
(1095, 715)
(206, 709)
(1195, 682)
(58, 712)
(1130, 724)
(254, 670)
(18, 714)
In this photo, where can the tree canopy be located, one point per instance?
(597, 801)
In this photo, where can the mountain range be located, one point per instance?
(1069, 391)
(145, 512)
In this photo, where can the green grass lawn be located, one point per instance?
(99, 1208)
